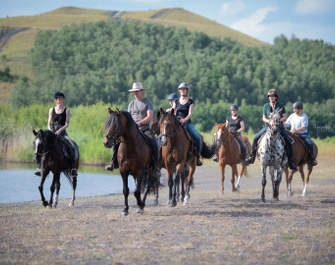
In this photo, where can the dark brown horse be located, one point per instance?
(229, 154)
(133, 156)
(302, 157)
(176, 151)
(49, 153)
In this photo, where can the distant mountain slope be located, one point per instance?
(180, 17)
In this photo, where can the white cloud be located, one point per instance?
(232, 8)
(314, 7)
(252, 25)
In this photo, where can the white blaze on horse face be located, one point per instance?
(164, 130)
(37, 142)
(219, 134)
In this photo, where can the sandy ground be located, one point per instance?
(234, 228)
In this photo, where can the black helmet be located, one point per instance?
(184, 85)
(273, 92)
(234, 107)
(59, 94)
(173, 96)
(298, 105)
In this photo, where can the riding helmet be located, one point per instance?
(273, 92)
(184, 85)
(59, 94)
(298, 105)
(234, 107)
(173, 96)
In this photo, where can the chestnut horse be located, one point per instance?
(301, 157)
(229, 154)
(176, 151)
(133, 156)
(49, 153)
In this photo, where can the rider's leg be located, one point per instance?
(251, 157)
(197, 138)
(38, 171)
(154, 151)
(113, 164)
(309, 144)
(242, 145)
(289, 149)
(74, 153)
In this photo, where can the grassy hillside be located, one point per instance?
(180, 17)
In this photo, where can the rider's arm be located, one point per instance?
(67, 123)
(242, 127)
(50, 119)
(299, 129)
(265, 119)
(283, 118)
(147, 119)
(190, 110)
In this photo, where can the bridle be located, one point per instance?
(224, 137)
(171, 134)
(45, 153)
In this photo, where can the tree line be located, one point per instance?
(99, 61)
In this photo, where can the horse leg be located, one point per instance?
(175, 185)
(57, 188)
(170, 183)
(276, 183)
(222, 168)
(182, 178)
(189, 183)
(233, 174)
(52, 190)
(40, 187)
(263, 182)
(156, 189)
(137, 193)
(125, 193)
(237, 183)
(74, 185)
(305, 180)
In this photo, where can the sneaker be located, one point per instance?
(215, 159)
(38, 172)
(74, 172)
(110, 166)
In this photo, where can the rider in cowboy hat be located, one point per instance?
(235, 125)
(273, 102)
(141, 110)
(298, 122)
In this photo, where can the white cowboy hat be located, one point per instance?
(137, 86)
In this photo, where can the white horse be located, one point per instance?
(271, 153)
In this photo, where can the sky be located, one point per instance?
(261, 19)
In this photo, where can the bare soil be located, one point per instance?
(234, 228)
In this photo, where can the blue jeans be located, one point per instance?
(282, 131)
(308, 142)
(258, 135)
(192, 130)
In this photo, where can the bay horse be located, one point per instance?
(302, 157)
(271, 153)
(133, 156)
(49, 153)
(229, 154)
(176, 151)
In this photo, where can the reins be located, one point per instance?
(170, 135)
(221, 141)
(45, 153)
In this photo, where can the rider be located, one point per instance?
(273, 102)
(141, 110)
(58, 122)
(235, 125)
(172, 97)
(183, 107)
(298, 122)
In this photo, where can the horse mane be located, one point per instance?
(111, 119)
(47, 134)
(177, 122)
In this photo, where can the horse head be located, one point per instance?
(155, 123)
(221, 133)
(274, 120)
(167, 125)
(43, 143)
(113, 127)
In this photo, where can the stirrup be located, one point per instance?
(38, 172)
(110, 166)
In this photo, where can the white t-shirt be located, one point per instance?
(296, 122)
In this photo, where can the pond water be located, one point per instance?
(18, 183)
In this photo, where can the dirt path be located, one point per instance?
(234, 228)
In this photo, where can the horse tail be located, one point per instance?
(245, 172)
(208, 150)
(68, 176)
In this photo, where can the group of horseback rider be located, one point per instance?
(141, 110)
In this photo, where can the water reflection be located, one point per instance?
(18, 183)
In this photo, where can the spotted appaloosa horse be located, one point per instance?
(301, 157)
(271, 153)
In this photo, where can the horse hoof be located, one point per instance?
(276, 199)
(263, 200)
(174, 204)
(71, 204)
(290, 194)
(303, 194)
(140, 210)
(155, 203)
(125, 213)
(168, 202)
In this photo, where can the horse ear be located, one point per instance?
(34, 132)
(110, 111)
(158, 114)
(271, 109)
(172, 111)
(216, 124)
(41, 131)
(117, 111)
(162, 111)
(279, 111)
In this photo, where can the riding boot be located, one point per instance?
(251, 157)
(313, 161)
(38, 172)
(291, 163)
(199, 163)
(113, 164)
(156, 171)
